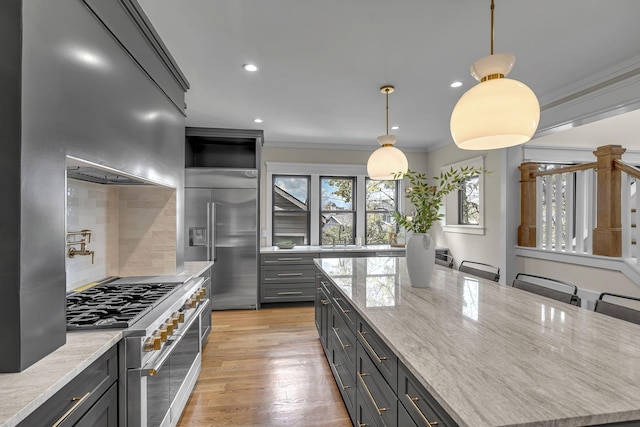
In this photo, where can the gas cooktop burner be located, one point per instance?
(114, 305)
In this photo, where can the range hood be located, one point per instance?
(102, 176)
(99, 174)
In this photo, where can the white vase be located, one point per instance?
(420, 255)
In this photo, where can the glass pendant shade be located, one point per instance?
(496, 113)
(387, 162)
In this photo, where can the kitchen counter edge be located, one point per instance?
(23, 392)
(337, 248)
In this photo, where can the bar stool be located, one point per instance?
(480, 269)
(619, 306)
(547, 287)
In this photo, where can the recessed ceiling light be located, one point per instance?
(456, 84)
(395, 127)
(257, 120)
(250, 67)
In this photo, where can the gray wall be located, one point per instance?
(85, 93)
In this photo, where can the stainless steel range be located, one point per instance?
(162, 329)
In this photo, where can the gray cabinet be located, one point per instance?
(205, 317)
(381, 356)
(342, 358)
(287, 277)
(420, 405)
(323, 309)
(90, 399)
(376, 388)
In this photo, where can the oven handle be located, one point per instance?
(153, 370)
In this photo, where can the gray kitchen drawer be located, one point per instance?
(365, 417)
(404, 419)
(381, 355)
(346, 254)
(345, 339)
(346, 310)
(284, 274)
(421, 406)
(288, 258)
(377, 394)
(287, 292)
(345, 376)
(83, 392)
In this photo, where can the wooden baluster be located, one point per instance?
(607, 236)
(528, 208)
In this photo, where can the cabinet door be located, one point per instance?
(70, 403)
(381, 355)
(104, 413)
(322, 312)
(377, 394)
(421, 406)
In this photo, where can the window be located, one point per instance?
(290, 195)
(381, 200)
(463, 209)
(330, 200)
(337, 213)
(469, 201)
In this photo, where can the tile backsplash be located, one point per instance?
(133, 231)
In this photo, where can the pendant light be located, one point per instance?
(387, 162)
(498, 112)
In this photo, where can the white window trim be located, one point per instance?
(451, 224)
(315, 171)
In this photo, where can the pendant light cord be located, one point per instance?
(387, 92)
(492, 8)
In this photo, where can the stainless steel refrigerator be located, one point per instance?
(221, 224)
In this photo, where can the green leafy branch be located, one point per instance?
(427, 199)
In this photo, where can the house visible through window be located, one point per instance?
(323, 204)
(291, 209)
(337, 213)
(381, 200)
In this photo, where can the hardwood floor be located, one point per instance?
(265, 368)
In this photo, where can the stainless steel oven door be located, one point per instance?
(158, 392)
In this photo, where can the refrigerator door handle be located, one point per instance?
(211, 231)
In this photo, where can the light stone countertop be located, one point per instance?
(336, 248)
(23, 392)
(196, 268)
(493, 355)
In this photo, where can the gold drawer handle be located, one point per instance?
(79, 401)
(324, 301)
(289, 293)
(362, 424)
(344, 346)
(342, 386)
(341, 309)
(380, 358)
(289, 274)
(413, 401)
(361, 375)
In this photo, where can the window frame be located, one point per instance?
(461, 195)
(315, 170)
(367, 211)
(273, 211)
(353, 211)
(452, 202)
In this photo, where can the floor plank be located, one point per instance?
(265, 368)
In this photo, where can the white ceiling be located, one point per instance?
(322, 62)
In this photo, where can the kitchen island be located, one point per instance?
(488, 354)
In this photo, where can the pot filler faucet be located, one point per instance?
(86, 238)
